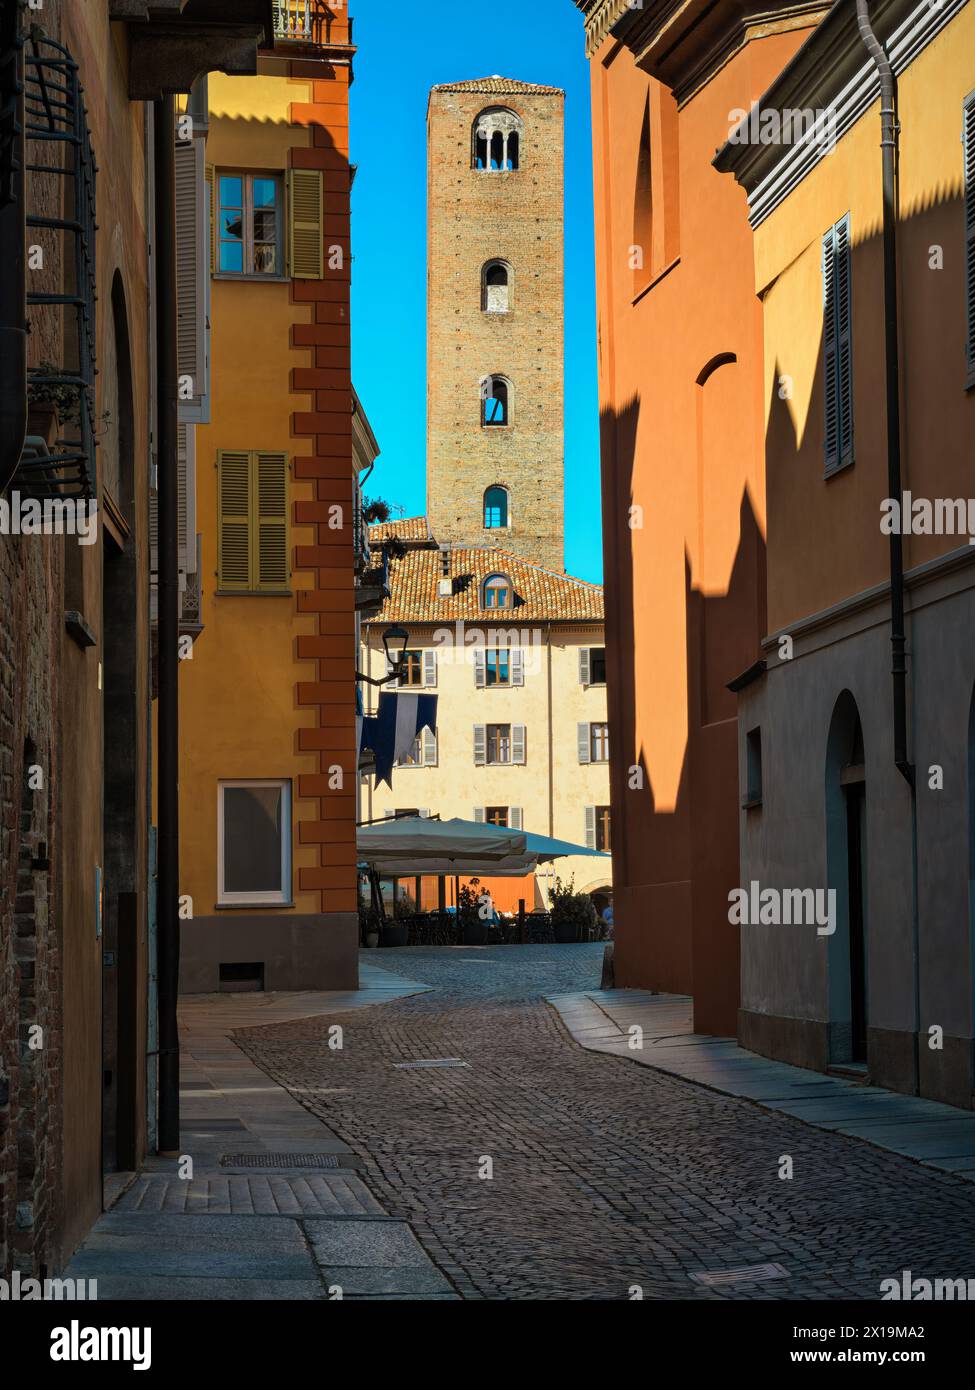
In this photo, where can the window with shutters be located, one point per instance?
(254, 841)
(411, 671)
(837, 348)
(496, 815)
(599, 743)
(250, 224)
(499, 743)
(592, 665)
(968, 144)
(602, 829)
(252, 504)
(497, 668)
(423, 751)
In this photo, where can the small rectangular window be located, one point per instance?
(497, 668)
(411, 671)
(602, 829)
(499, 743)
(496, 815)
(249, 231)
(599, 743)
(753, 768)
(597, 666)
(254, 842)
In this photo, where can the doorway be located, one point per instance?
(846, 849)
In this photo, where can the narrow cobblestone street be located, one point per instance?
(605, 1175)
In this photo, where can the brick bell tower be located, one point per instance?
(495, 355)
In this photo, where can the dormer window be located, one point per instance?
(497, 593)
(497, 141)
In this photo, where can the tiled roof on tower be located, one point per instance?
(495, 84)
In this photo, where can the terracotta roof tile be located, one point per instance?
(540, 594)
(499, 84)
(407, 528)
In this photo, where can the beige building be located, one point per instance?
(515, 654)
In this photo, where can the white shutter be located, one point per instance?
(430, 666)
(582, 734)
(186, 469)
(192, 278)
(584, 666)
(517, 657)
(517, 743)
(480, 668)
(480, 745)
(514, 818)
(590, 827)
(479, 814)
(428, 740)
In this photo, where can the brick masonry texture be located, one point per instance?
(607, 1174)
(474, 217)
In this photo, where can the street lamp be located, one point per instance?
(395, 639)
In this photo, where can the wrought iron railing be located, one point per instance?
(55, 114)
(310, 22)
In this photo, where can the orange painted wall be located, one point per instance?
(681, 404)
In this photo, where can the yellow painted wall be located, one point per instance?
(238, 709)
(455, 786)
(938, 415)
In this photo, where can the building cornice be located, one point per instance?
(831, 73)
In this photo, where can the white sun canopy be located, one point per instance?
(414, 845)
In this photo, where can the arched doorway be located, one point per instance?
(846, 849)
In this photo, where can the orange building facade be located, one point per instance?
(682, 438)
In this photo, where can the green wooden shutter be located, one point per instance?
(269, 534)
(233, 520)
(830, 393)
(306, 214)
(968, 138)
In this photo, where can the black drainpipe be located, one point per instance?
(167, 491)
(13, 248)
(890, 130)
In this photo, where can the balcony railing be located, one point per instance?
(310, 22)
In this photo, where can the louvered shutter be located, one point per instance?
(429, 667)
(518, 743)
(429, 748)
(514, 817)
(590, 827)
(192, 280)
(517, 659)
(233, 508)
(211, 182)
(186, 505)
(306, 217)
(480, 745)
(270, 538)
(844, 327)
(831, 436)
(584, 745)
(584, 666)
(969, 148)
(479, 814)
(480, 668)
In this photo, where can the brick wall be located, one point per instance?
(474, 217)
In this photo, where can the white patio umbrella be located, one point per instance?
(415, 840)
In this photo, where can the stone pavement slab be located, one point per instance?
(939, 1136)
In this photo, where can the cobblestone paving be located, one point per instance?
(606, 1174)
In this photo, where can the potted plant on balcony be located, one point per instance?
(573, 914)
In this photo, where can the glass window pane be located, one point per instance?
(231, 225)
(265, 225)
(231, 191)
(265, 259)
(265, 193)
(252, 839)
(232, 256)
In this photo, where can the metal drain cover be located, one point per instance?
(431, 1062)
(279, 1161)
(744, 1274)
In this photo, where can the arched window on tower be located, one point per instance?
(497, 140)
(495, 507)
(495, 401)
(496, 287)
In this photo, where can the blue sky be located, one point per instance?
(404, 50)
